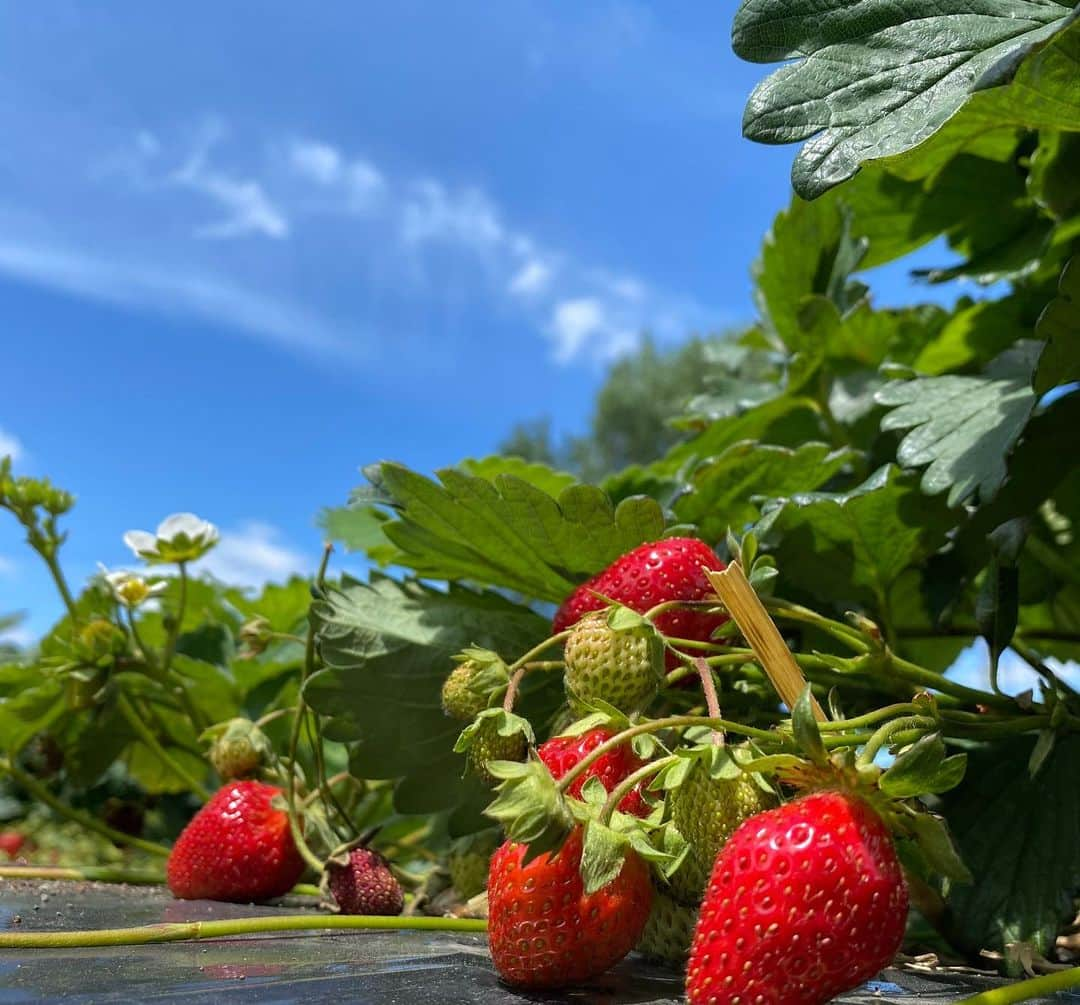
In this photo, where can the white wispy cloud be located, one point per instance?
(376, 236)
(10, 446)
(247, 208)
(531, 279)
(360, 184)
(168, 291)
(254, 554)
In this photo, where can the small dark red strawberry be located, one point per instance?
(11, 843)
(804, 903)
(238, 847)
(561, 753)
(652, 574)
(366, 885)
(545, 931)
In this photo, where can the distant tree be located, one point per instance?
(631, 419)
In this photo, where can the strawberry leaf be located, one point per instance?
(804, 726)
(505, 531)
(875, 78)
(963, 427)
(387, 648)
(1018, 835)
(923, 769)
(853, 547)
(1060, 326)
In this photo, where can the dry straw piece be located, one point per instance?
(748, 612)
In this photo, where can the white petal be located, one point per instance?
(180, 523)
(141, 542)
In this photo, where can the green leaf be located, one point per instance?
(974, 334)
(874, 78)
(808, 251)
(852, 547)
(997, 607)
(1018, 836)
(509, 533)
(1060, 326)
(722, 489)
(923, 769)
(1042, 93)
(540, 476)
(1054, 177)
(931, 834)
(805, 728)
(34, 706)
(602, 855)
(359, 528)
(963, 427)
(387, 648)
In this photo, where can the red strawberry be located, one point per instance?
(804, 902)
(366, 885)
(561, 753)
(545, 931)
(11, 842)
(649, 575)
(237, 847)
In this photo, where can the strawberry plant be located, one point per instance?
(730, 664)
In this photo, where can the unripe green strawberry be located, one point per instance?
(622, 667)
(668, 932)
(458, 700)
(468, 863)
(707, 811)
(238, 750)
(491, 746)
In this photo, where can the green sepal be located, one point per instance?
(492, 675)
(931, 835)
(505, 724)
(1044, 747)
(623, 619)
(602, 855)
(593, 793)
(529, 806)
(606, 717)
(924, 768)
(805, 729)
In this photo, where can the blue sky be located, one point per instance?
(247, 248)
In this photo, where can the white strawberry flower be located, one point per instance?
(129, 588)
(182, 537)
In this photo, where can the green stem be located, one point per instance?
(627, 784)
(712, 702)
(178, 620)
(1049, 559)
(144, 733)
(41, 793)
(889, 730)
(1035, 661)
(1063, 980)
(537, 650)
(84, 873)
(787, 611)
(916, 674)
(61, 585)
(712, 647)
(655, 726)
(298, 720)
(306, 890)
(870, 718)
(182, 931)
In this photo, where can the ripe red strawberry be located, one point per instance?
(804, 903)
(545, 931)
(561, 753)
(237, 847)
(366, 885)
(649, 575)
(11, 842)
